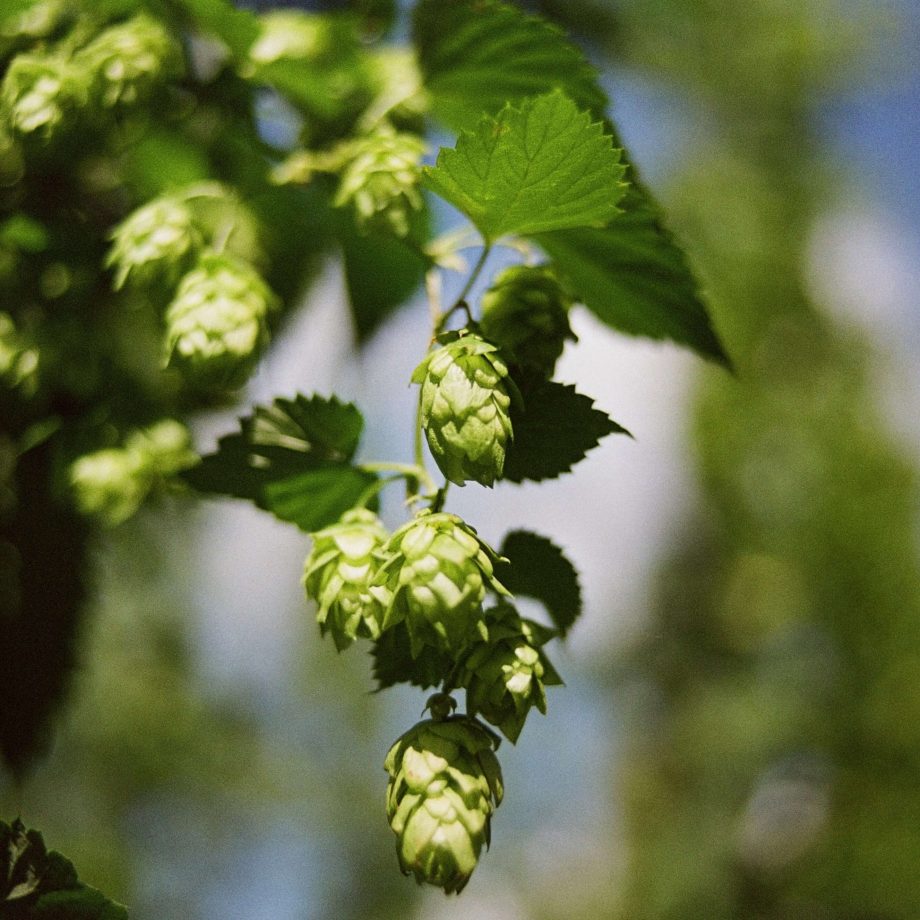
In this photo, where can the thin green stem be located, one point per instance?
(413, 473)
(474, 274)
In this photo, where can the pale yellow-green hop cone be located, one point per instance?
(465, 403)
(126, 61)
(153, 243)
(217, 324)
(507, 675)
(525, 313)
(337, 575)
(110, 484)
(445, 783)
(165, 446)
(381, 181)
(434, 576)
(40, 94)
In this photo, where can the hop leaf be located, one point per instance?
(507, 675)
(127, 60)
(337, 575)
(153, 242)
(381, 181)
(217, 324)
(445, 783)
(39, 94)
(465, 402)
(525, 313)
(434, 577)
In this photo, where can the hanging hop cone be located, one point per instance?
(507, 675)
(434, 576)
(153, 243)
(465, 401)
(39, 94)
(525, 313)
(381, 181)
(217, 324)
(337, 576)
(445, 782)
(128, 60)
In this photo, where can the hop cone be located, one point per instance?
(39, 93)
(217, 324)
(153, 242)
(434, 577)
(507, 675)
(382, 181)
(525, 312)
(338, 572)
(127, 60)
(466, 395)
(445, 782)
(18, 362)
(165, 447)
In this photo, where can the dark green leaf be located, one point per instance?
(542, 166)
(236, 28)
(537, 568)
(634, 276)
(81, 903)
(553, 429)
(292, 458)
(476, 55)
(394, 664)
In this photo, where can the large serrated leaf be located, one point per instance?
(543, 166)
(476, 55)
(553, 429)
(634, 277)
(539, 569)
(292, 458)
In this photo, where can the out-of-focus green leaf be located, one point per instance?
(542, 166)
(235, 27)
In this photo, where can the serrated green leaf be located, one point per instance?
(393, 662)
(553, 429)
(634, 277)
(543, 166)
(539, 569)
(292, 458)
(476, 55)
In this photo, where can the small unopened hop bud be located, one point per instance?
(434, 577)
(381, 180)
(39, 93)
(465, 403)
(217, 324)
(525, 312)
(507, 675)
(153, 243)
(338, 572)
(445, 783)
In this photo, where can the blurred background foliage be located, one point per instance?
(765, 754)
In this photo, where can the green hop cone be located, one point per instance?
(39, 94)
(18, 361)
(217, 323)
(525, 313)
(465, 401)
(128, 60)
(337, 575)
(166, 448)
(153, 243)
(445, 783)
(434, 577)
(507, 675)
(381, 181)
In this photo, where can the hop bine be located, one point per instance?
(434, 576)
(465, 400)
(445, 783)
(337, 575)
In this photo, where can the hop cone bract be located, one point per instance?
(525, 312)
(217, 324)
(153, 242)
(338, 572)
(434, 577)
(381, 180)
(445, 783)
(39, 93)
(465, 402)
(127, 60)
(507, 675)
